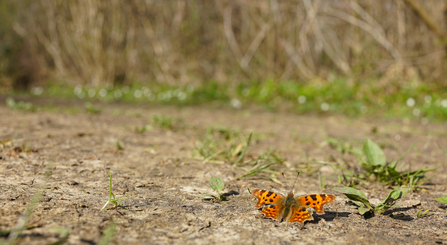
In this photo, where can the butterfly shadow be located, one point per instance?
(226, 195)
(443, 206)
(231, 193)
(400, 216)
(328, 216)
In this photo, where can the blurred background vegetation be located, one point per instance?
(347, 56)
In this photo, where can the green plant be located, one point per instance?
(62, 231)
(214, 148)
(442, 200)
(262, 166)
(27, 149)
(118, 146)
(422, 213)
(217, 185)
(343, 147)
(108, 234)
(241, 150)
(64, 235)
(166, 122)
(443, 151)
(345, 176)
(112, 198)
(14, 233)
(91, 108)
(340, 96)
(374, 167)
(217, 147)
(364, 206)
(375, 164)
(20, 105)
(143, 129)
(322, 181)
(226, 133)
(209, 150)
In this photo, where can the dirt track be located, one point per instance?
(164, 181)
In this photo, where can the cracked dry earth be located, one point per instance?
(164, 181)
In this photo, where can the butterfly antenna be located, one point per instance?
(298, 174)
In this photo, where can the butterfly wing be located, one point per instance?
(267, 197)
(315, 201)
(300, 214)
(271, 203)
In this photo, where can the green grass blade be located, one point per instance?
(256, 170)
(108, 234)
(64, 232)
(403, 155)
(443, 151)
(110, 186)
(442, 199)
(244, 150)
(21, 224)
(422, 213)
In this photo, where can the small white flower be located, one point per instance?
(190, 88)
(325, 106)
(102, 92)
(91, 93)
(146, 91)
(125, 89)
(302, 99)
(137, 93)
(117, 94)
(411, 102)
(236, 103)
(37, 90)
(416, 112)
(181, 95)
(81, 95)
(444, 103)
(151, 97)
(264, 92)
(77, 90)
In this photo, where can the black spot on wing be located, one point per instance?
(314, 197)
(270, 193)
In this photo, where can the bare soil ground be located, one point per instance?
(164, 181)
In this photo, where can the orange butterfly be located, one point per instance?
(290, 208)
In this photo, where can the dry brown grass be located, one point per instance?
(120, 42)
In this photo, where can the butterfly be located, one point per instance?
(290, 208)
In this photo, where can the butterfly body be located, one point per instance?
(289, 208)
